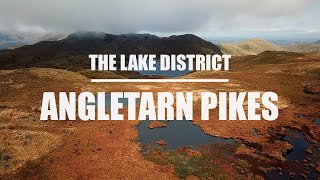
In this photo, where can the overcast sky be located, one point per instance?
(206, 18)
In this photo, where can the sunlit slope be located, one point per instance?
(249, 47)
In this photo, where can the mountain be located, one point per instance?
(72, 52)
(304, 48)
(14, 40)
(8, 40)
(52, 37)
(249, 47)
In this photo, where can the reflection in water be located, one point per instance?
(299, 162)
(177, 134)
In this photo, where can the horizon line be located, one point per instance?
(159, 80)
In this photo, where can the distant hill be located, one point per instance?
(249, 47)
(52, 37)
(266, 57)
(72, 52)
(304, 48)
(8, 40)
(15, 40)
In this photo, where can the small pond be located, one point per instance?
(297, 157)
(177, 134)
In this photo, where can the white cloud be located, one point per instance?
(165, 16)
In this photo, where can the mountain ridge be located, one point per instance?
(249, 47)
(74, 49)
(12, 40)
(304, 48)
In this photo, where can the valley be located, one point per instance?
(120, 149)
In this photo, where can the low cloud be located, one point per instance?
(165, 16)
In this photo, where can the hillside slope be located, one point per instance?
(304, 48)
(249, 47)
(10, 40)
(73, 51)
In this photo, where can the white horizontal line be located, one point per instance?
(160, 80)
